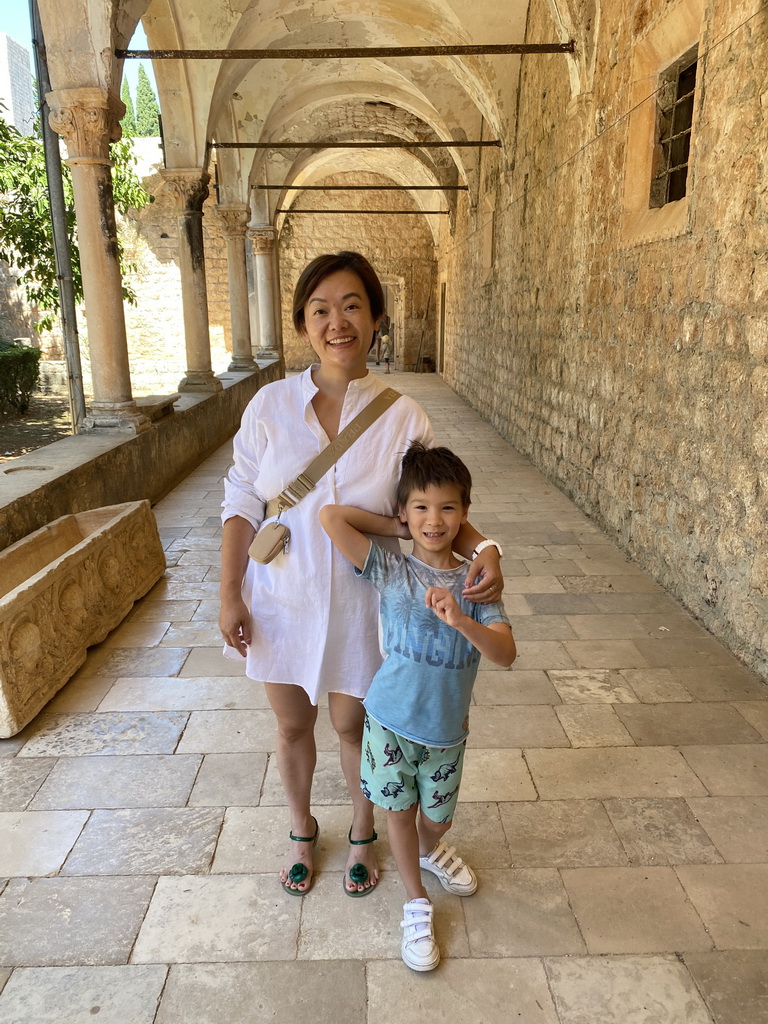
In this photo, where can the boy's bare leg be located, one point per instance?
(347, 717)
(430, 833)
(404, 843)
(296, 757)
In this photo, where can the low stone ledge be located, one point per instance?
(64, 588)
(100, 468)
(154, 407)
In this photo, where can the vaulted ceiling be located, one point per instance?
(355, 99)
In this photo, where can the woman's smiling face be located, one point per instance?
(338, 322)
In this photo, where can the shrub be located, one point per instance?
(19, 375)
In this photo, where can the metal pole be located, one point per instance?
(345, 52)
(62, 253)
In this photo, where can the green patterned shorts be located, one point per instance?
(396, 773)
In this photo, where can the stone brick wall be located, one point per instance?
(17, 320)
(634, 373)
(155, 326)
(400, 248)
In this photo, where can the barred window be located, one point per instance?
(674, 119)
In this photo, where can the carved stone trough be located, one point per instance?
(62, 589)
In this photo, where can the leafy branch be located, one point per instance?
(26, 230)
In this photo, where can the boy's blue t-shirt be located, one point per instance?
(423, 689)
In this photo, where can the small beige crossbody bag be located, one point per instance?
(273, 538)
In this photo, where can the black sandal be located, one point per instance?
(300, 871)
(358, 873)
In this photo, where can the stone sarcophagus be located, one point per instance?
(62, 589)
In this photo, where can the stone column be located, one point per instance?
(190, 189)
(263, 249)
(89, 119)
(235, 219)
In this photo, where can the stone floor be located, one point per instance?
(615, 806)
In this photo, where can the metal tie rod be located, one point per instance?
(345, 52)
(411, 213)
(364, 188)
(353, 145)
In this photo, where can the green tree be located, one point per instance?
(147, 110)
(128, 123)
(26, 233)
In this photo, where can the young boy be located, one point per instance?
(418, 704)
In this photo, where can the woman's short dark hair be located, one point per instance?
(331, 263)
(424, 467)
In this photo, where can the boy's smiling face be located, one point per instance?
(434, 517)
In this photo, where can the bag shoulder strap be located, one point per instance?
(306, 481)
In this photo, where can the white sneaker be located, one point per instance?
(455, 876)
(419, 949)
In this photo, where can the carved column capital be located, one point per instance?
(89, 119)
(188, 186)
(262, 240)
(234, 218)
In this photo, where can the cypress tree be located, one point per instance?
(147, 110)
(128, 123)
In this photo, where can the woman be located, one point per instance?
(302, 625)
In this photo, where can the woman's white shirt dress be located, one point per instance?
(314, 623)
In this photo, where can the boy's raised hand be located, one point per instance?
(443, 604)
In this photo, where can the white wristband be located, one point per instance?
(486, 544)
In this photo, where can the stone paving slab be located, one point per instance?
(612, 771)
(519, 726)
(141, 780)
(109, 733)
(59, 922)
(228, 732)
(734, 984)
(738, 826)
(593, 725)
(462, 992)
(521, 912)
(514, 687)
(561, 833)
(218, 919)
(146, 841)
(255, 992)
(730, 770)
(80, 995)
(729, 681)
(676, 725)
(597, 686)
(625, 990)
(661, 831)
(157, 693)
(150, 661)
(80, 694)
(37, 842)
(496, 775)
(656, 685)
(20, 780)
(225, 780)
(634, 910)
(732, 900)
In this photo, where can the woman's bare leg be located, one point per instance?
(347, 716)
(296, 757)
